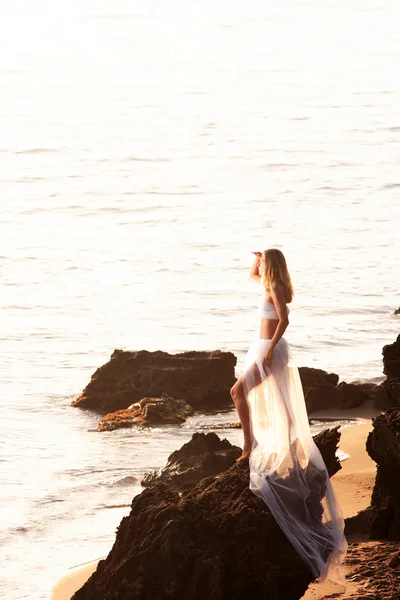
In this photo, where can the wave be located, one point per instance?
(36, 151)
(388, 186)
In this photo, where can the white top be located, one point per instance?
(268, 310)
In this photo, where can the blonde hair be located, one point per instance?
(275, 271)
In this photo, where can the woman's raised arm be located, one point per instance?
(254, 271)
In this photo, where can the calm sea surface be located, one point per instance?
(146, 149)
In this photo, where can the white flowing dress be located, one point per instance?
(286, 468)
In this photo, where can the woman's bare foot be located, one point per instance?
(245, 454)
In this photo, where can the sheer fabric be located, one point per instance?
(286, 468)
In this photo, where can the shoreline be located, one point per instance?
(352, 484)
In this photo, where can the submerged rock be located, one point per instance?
(203, 379)
(148, 412)
(383, 446)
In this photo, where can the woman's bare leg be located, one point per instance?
(239, 398)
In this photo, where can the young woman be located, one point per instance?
(286, 468)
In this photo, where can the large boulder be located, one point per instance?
(352, 395)
(215, 541)
(311, 377)
(203, 379)
(148, 412)
(322, 390)
(383, 446)
(319, 388)
(389, 392)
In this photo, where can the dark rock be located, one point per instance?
(391, 359)
(394, 561)
(203, 379)
(389, 392)
(359, 524)
(397, 311)
(383, 446)
(371, 389)
(148, 412)
(206, 455)
(217, 541)
(311, 377)
(322, 396)
(203, 456)
(322, 391)
(319, 388)
(350, 395)
(328, 442)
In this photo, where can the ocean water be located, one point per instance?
(146, 149)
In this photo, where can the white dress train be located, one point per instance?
(286, 468)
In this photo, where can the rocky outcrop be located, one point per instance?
(383, 445)
(328, 443)
(311, 377)
(203, 379)
(207, 455)
(215, 541)
(359, 523)
(322, 391)
(148, 412)
(204, 455)
(389, 392)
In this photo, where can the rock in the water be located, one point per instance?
(397, 311)
(204, 455)
(148, 412)
(322, 391)
(383, 446)
(203, 379)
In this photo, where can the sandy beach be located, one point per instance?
(353, 485)
(354, 482)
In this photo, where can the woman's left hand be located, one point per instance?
(268, 356)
